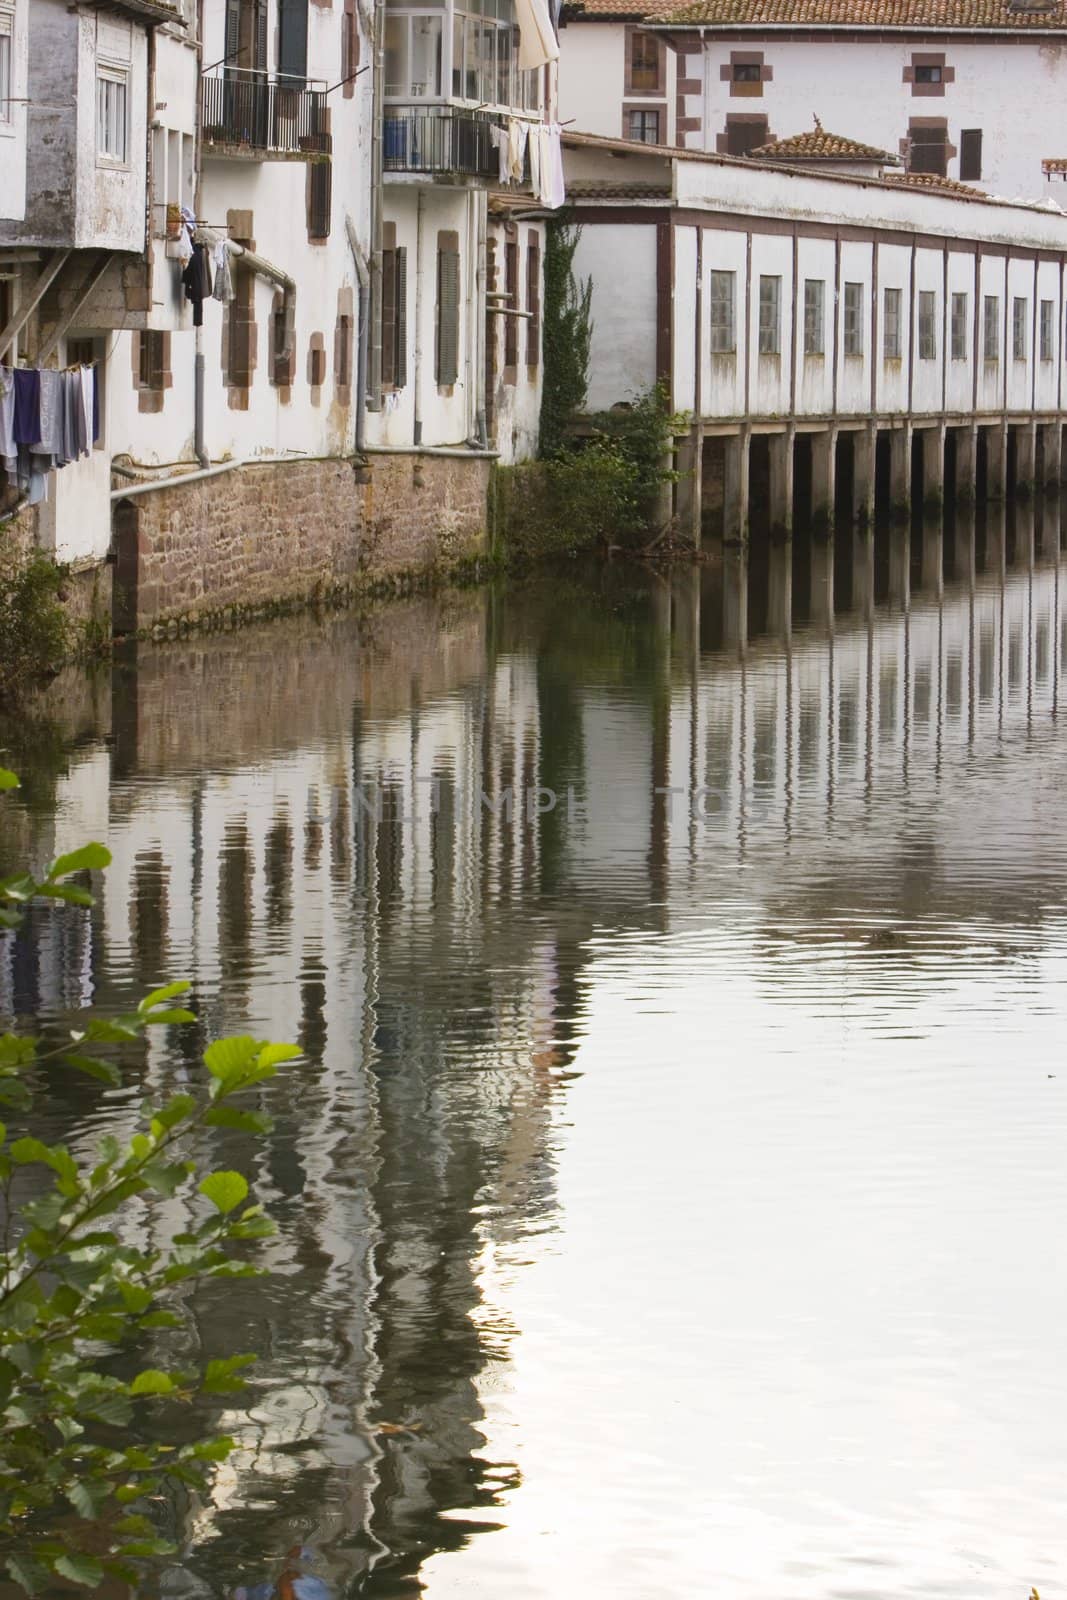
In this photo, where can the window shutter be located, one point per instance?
(320, 191)
(447, 317)
(401, 323)
(971, 153)
(511, 285)
(388, 318)
(533, 303)
(293, 42)
(260, 47)
(233, 20)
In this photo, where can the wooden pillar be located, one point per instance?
(995, 538)
(1051, 529)
(823, 478)
(965, 535)
(933, 448)
(735, 599)
(1051, 455)
(996, 475)
(688, 489)
(933, 557)
(780, 591)
(864, 456)
(900, 472)
(900, 568)
(1025, 459)
(966, 465)
(735, 489)
(1022, 522)
(781, 483)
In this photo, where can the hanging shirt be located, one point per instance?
(51, 437)
(197, 281)
(88, 384)
(223, 288)
(518, 138)
(499, 140)
(8, 447)
(553, 192)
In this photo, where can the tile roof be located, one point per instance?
(594, 190)
(932, 181)
(617, 10)
(1054, 165)
(936, 15)
(819, 145)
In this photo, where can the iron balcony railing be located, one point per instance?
(442, 139)
(262, 115)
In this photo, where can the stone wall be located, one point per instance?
(290, 531)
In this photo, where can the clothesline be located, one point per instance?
(48, 418)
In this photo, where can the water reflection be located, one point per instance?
(445, 846)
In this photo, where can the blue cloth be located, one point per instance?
(27, 405)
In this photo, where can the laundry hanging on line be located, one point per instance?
(47, 420)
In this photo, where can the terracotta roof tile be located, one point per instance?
(1054, 164)
(819, 145)
(931, 180)
(925, 14)
(592, 190)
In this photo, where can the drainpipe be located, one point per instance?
(363, 275)
(199, 447)
(480, 430)
(416, 435)
(374, 381)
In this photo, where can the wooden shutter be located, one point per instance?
(388, 319)
(971, 153)
(929, 152)
(447, 315)
(320, 193)
(293, 42)
(233, 32)
(401, 324)
(533, 303)
(511, 288)
(260, 47)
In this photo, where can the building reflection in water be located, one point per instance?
(313, 823)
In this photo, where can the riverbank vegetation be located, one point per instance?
(92, 1279)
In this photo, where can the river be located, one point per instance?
(671, 1194)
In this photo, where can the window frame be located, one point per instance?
(970, 155)
(117, 75)
(815, 316)
(7, 102)
(892, 348)
(852, 320)
(959, 319)
(991, 329)
(769, 326)
(1020, 316)
(643, 112)
(926, 325)
(1047, 330)
(723, 331)
(649, 83)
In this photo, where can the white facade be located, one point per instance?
(14, 65)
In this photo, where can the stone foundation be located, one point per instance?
(291, 531)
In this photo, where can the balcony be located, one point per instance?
(441, 140)
(262, 116)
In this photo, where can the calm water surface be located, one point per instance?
(680, 1173)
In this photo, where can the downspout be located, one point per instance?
(199, 447)
(363, 275)
(480, 431)
(374, 377)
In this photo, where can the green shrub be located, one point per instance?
(75, 1476)
(566, 333)
(35, 632)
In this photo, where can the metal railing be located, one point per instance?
(259, 113)
(444, 139)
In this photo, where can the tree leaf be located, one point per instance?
(244, 1121)
(93, 1067)
(227, 1057)
(92, 856)
(80, 1569)
(152, 1381)
(8, 780)
(225, 1190)
(167, 992)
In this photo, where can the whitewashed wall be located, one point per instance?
(621, 260)
(592, 81)
(110, 211)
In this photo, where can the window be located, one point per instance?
(282, 341)
(511, 288)
(747, 72)
(240, 327)
(151, 359)
(853, 319)
(928, 74)
(413, 46)
(892, 338)
(928, 148)
(927, 325)
(485, 64)
(1048, 323)
(742, 135)
(643, 126)
(533, 303)
(446, 366)
(723, 334)
(112, 131)
(319, 195)
(349, 48)
(971, 153)
(7, 34)
(991, 327)
(1018, 328)
(959, 327)
(770, 318)
(644, 75)
(394, 312)
(814, 303)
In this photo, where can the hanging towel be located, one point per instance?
(8, 447)
(71, 413)
(553, 193)
(185, 235)
(51, 413)
(223, 286)
(535, 161)
(499, 140)
(522, 139)
(27, 405)
(538, 44)
(88, 383)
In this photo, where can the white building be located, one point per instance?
(965, 94)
